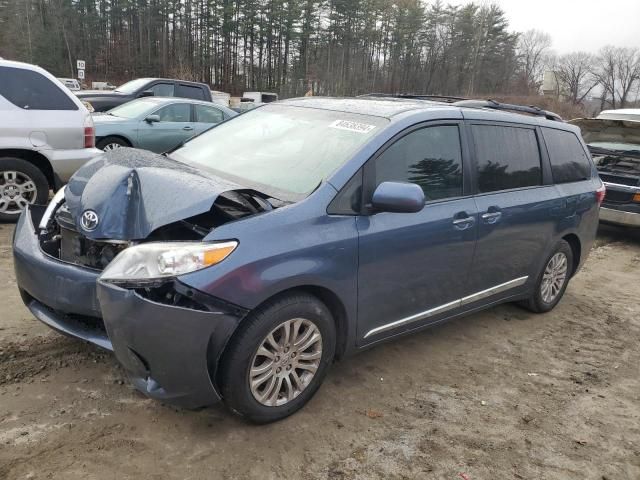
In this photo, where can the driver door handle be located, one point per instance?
(463, 220)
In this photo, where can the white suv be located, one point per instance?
(46, 134)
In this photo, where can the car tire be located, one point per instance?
(21, 183)
(111, 143)
(249, 378)
(550, 287)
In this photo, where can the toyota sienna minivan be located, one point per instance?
(240, 266)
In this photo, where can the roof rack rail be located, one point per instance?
(531, 110)
(412, 96)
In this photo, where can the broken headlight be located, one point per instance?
(55, 202)
(157, 261)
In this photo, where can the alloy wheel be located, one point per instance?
(554, 277)
(285, 363)
(111, 146)
(17, 190)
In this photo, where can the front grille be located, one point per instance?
(78, 249)
(618, 196)
(63, 241)
(620, 180)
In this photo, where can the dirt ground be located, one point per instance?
(501, 394)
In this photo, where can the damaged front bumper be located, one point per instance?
(170, 352)
(60, 294)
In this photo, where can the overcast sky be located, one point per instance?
(575, 24)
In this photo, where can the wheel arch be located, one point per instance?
(115, 135)
(35, 158)
(329, 298)
(576, 248)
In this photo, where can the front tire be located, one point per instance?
(21, 184)
(279, 358)
(553, 280)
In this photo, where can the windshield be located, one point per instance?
(132, 109)
(132, 86)
(281, 150)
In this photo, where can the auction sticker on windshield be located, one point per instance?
(352, 126)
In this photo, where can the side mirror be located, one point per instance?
(398, 197)
(146, 93)
(152, 119)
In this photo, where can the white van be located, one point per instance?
(46, 134)
(71, 83)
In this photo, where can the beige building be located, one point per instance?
(552, 86)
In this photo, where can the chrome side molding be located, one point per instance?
(493, 290)
(460, 302)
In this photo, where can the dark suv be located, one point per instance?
(103, 100)
(614, 141)
(241, 265)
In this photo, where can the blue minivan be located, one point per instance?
(244, 263)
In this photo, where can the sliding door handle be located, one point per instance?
(491, 217)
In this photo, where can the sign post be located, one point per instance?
(80, 64)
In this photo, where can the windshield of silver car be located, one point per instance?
(134, 108)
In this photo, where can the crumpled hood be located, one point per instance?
(134, 192)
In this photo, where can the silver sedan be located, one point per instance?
(156, 123)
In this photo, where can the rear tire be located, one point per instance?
(111, 143)
(553, 279)
(266, 372)
(21, 184)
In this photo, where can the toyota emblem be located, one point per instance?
(89, 220)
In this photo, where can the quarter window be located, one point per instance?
(430, 157)
(31, 90)
(178, 112)
(507, 157)
(569, 162)
(205, 114)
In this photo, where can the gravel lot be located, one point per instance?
(501, 394)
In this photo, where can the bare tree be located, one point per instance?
(534, 49)
(574, 73)
(618, 72)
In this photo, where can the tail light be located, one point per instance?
(600, 193)
(89, 133)
(636, 197)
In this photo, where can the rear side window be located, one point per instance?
(162, 89)
(205, 114)
(31, 90)
(507, 157)
(188, 91)
(177, 112)
(430, 157)
(569, 162)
